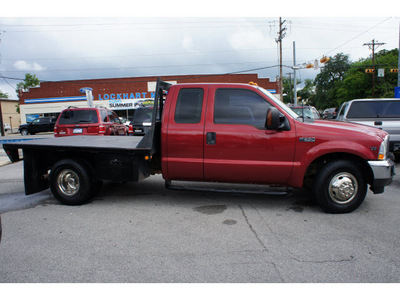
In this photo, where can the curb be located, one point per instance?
(4, 163)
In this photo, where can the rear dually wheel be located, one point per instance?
(70, 182)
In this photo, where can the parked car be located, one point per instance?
(330, 113)
(380, 113)
(141, 120)
(43, 124)
(89, 121)
(125, 121)
(6, 126)
(309, 112)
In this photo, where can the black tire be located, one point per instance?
(70, 182)
(340, 187)
(96, 186)
(24, 132)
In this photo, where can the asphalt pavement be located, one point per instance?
(142, 232)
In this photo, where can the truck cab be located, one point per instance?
(243, 134)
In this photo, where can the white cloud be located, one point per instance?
(187, 43)
(249, 38)
(24, 65)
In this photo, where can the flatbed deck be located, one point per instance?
(105, 144)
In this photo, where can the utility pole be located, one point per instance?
(398, 75)
(1, 122)
(372, 47)
(281, 35)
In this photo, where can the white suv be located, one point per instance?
(381, 113)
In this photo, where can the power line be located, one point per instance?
(357, 36)
(143, 55)
(219, 74)
(132, 67)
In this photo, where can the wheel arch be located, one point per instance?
(320, 161)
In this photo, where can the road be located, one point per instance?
(144, 233)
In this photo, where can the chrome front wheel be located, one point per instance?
(343, 187)
(340, 186)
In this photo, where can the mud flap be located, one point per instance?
(35, 172)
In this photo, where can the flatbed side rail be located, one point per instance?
(152, 139)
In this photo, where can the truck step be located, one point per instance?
(229, 189)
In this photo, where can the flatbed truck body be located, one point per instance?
(217, 133)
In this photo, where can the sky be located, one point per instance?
(78, 42)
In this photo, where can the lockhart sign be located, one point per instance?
(122, 96)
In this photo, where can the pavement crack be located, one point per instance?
(260, 241)
(325, 261)
(252, 229)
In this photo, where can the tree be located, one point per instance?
(3, 95)
(30, 81)
(358, 84)
(288, 89)
(340, 80)
(326, 82)
(307, 91)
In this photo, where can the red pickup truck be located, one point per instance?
(233, 133)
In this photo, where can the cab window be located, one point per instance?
(239, 106)
(189, 106)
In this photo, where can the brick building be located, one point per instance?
(118, 94)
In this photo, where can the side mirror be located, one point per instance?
(275, 120)
(272, 120)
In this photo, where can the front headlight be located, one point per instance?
(383, 149)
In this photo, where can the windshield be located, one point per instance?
(374, 109)
(309, 112)
(78, 116)
(279, 103)
(143, 115)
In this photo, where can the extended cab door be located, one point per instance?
(237, 146)
(183, 129)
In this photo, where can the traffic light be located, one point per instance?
(394, 70)
(309, 66)
(369, 70)
(324, 60)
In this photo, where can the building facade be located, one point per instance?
(9, 114)
(119, 94)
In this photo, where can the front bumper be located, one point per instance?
(383, 173)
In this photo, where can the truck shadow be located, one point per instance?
(153, 191)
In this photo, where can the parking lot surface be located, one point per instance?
(141, 232)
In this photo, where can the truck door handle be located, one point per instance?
(378, 123)
(211, 138)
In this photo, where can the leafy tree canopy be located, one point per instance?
(29, 81)
(3, 95)
(327, 81)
